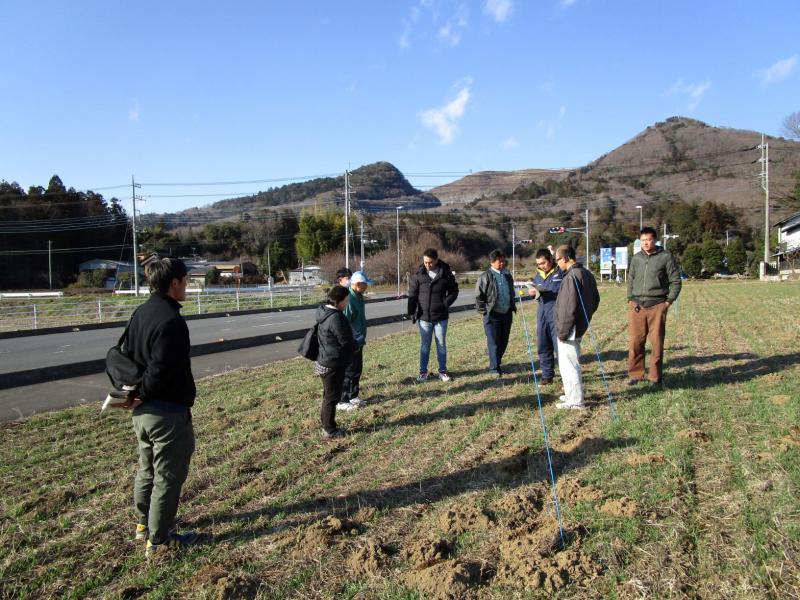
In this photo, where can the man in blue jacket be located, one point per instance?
(546, 285)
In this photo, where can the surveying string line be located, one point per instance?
(554, 488)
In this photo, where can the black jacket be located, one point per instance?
(569, 310)
(486, 292)
(159, 339)
(429, 299)
(336, 341)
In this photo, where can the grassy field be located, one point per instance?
(442, 490)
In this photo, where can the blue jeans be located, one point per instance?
(427, 330)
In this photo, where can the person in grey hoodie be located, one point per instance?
(336, 348)
(494, 300)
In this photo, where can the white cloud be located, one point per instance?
(778, 71)
(405, 38)
(510, 143)
(134, 112)
(498, 9)
(448, 34)
(444, 120)
(694, 91)
(451, 31)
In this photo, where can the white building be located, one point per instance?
(788, 253)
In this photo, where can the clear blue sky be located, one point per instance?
(201, 91)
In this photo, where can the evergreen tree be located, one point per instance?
(692, 260)
(712, 256)
(736, 256)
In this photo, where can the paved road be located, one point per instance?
(52, 350)
(27, 400)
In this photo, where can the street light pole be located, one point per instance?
(641, 224)
(397, 209)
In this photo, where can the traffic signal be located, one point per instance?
(557, 230)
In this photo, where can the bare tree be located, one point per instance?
(791, 125)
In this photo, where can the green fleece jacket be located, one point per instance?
(654, 278)
(357, 316)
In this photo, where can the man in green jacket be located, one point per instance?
(356, 315)
(654, 283)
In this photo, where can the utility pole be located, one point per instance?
(361, 266)
(398, 249)
(347, 219)
(513, 250)
(269, 267)
(668, 236)
(639, 206)
(764, 146)
(134, 198)
(50, 262)
(727, 238)
(587, 239)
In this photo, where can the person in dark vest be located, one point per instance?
(494, 299)
(431, 292)
(158, 338)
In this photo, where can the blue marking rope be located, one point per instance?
(556, 502)
(611, 406)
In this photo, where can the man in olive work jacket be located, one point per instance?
(158, 339)
(654, 283)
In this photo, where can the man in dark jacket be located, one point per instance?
(577, 301)
(431, 292)
(158, 339)
(654, 282)
(494, 299)
(336, 348)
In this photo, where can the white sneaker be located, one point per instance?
(346, 406)
(562, 398)
(444, 376)
(422, 377)
(358, 402)
(569, 406)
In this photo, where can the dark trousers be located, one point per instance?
(352, 377)
(647, 324)
(332, 383)
(546, 343)
(497, 327)
(166, 445)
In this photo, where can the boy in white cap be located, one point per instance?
(357, 317)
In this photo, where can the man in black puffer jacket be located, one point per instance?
(158, 339)
(431, 292)
(336, 348)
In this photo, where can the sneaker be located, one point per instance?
(345, 406)
(547, 380)
(142, 532)
(562, 398)
(358, 402)
(496, 373)
(422, 377)
(569, 406)
(336, 434)
(443, 375)
(174, 541)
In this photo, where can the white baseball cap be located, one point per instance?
(360, 277)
